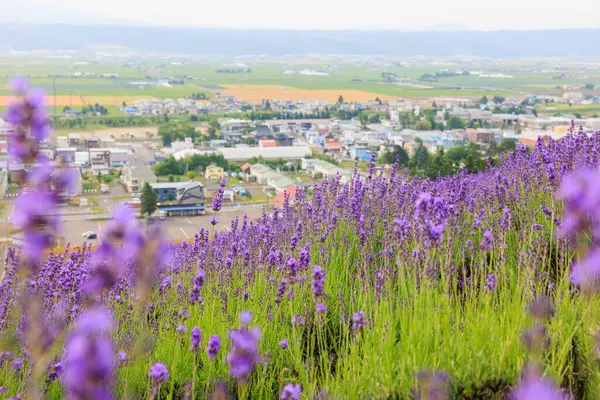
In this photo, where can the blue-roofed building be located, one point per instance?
(180, 198)
(358, 152)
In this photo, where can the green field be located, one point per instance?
(526, 78)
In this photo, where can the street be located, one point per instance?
(175, 228)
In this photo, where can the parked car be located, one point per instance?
(90, 235)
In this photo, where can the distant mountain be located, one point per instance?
(200, 41)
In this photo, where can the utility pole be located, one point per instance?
(54, 87)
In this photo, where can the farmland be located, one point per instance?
(354, 79)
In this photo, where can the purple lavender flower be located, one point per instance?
(358, 322)
(284, 344)
(538, 388)
(281, 290)
(245, 318)
(243, 354)
(17, 364)
(490, 282)
(487, 242)
(181, 329)
(586, 273)
(218, 199)
(298, 321)
(195, 339)
(433, 385)
(541, 308)
(214, 346)
(214, 221)
(291, 392)
(318, 280)
(88, 361)
(581, 194)
(55, 371)
(321, 308)
(159, 373)
(19, 85)
(122, 356)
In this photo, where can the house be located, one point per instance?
(279, 200)
(229, 125)
(75, 140)
(65, 154)
(267, 143)
(308, 164)
(284, 140)
(214, 172)
(261, 173)
(262, 131)
(480, 135)
(119, 160)
(100, 161)
(135, 177)
(246, 167)
(92, 143)
(359, 152)
(334, 147)
(279, 182)
(211, 190)
(180, 198)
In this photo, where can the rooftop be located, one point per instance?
(293, 152)
(175, 185)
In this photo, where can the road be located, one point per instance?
(175, 228)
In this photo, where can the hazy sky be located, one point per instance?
(313, 14)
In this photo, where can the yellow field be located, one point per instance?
(255, 93)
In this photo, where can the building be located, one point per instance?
(214, 172)
(279, 200)
(233, 125)
(268, 153)
(135, 177)
(333, 147)
(119, 160)
(359, 152)
(75, 140)
(65, 154)
(261, 173)
(284, 140)
(180, 198)
(100, 161)
(308, 164)
(267, 143)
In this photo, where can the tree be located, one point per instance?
(193, 118)
(534, 112)
(455, 123)
(191, 174)
(397, 153)
(499, 99)
(423, 125)
(212, 133)
(149, 200)
(483, 100)
(341, 99)
(124, 104)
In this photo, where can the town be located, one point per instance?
(183, 161)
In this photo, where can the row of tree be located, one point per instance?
(446, 162)
(171, 166)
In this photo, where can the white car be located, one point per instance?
(90, 235)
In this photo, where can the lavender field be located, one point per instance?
(475, 286)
